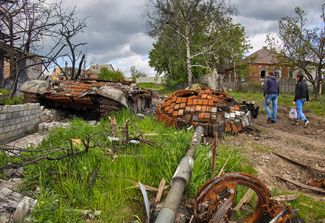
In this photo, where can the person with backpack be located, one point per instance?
(301, 96)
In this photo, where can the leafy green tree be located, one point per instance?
(110, 75)
(302, 47)
(193, 37)
(135, 74)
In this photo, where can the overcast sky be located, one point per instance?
(116, 29)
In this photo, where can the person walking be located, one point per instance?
(271, 93)
(301, 96)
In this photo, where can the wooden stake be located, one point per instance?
(214, 153)
(160, 190)
(247, 197)
(315, 189)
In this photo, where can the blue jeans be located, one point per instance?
(300, 114)
(274, 99)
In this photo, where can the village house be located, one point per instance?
(256, 67)
(30, 66)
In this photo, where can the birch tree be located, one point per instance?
(187, 18)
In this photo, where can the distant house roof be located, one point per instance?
(262, 56)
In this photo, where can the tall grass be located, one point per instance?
(63, 186)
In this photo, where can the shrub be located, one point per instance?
(110, 75)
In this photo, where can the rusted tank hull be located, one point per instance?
(93, 96)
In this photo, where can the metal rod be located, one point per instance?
(181, 177)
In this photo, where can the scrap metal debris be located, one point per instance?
(215, 201)
(211, 109)
(97, 96)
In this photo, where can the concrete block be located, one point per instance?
(25, 112)
(12, 121)
(2, 116)
(15, 108)
(7, 129)
(4, 109)
(8, 115)
(2, 137)
(12, 128)
(19, 125)
(15, 114)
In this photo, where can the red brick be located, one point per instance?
(207, 115)
(209, 108)
(170, 111)
(176, 107)
(172, 105)
(190, 101)
(188, 109)
(178, 100)
(195, 101)
(200, 102)
(198, 108)
(204, 95)
(166, 108)
(181, 112)
(175, 113)
(205, 102)
(182, 105)
(193, 108)
(204, 108)
(210, 102)
(201, 116)
(184, 100)
(174, 99)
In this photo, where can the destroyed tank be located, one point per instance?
(212, 109)
(90, 96)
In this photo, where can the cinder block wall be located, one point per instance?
(17, 120)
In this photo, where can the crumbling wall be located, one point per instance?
(17, 120)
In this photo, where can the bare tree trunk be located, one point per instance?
(188, 57)
(79, 68)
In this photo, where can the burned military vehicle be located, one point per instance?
(89, 96)
(214, 110)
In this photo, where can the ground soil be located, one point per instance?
(304, 144)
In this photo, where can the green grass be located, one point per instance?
(64, 184)
(12, 101)
(160, 89)
(309, 208)
(62, 187)
(3, 91)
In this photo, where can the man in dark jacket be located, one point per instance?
(301, 95)
(271, 93)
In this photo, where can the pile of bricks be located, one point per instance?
(17, 120)
(212, 109)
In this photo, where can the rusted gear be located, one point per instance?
(214, 200)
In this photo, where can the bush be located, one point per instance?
(12, 101)
(109, 75)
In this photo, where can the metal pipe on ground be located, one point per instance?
(181, 177)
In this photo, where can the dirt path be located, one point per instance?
(304, 144)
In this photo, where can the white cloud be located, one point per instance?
(140, 63)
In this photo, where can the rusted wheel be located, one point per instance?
(215, 201)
